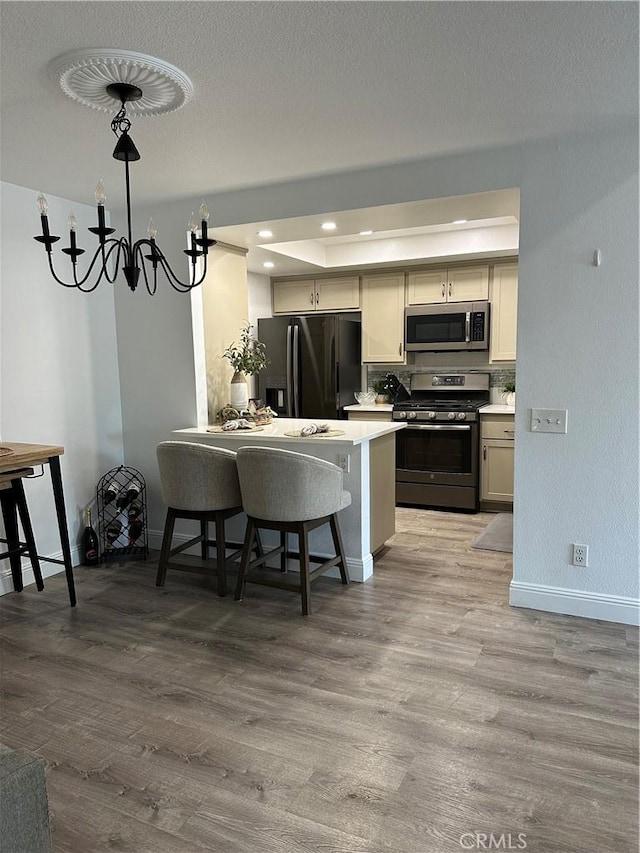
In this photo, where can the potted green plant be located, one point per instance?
(379, 386)
(247, 359)
(509, 393)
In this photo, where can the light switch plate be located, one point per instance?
(549, 420)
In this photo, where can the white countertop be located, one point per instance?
(355, 432)
(497, 409)
(373, 407)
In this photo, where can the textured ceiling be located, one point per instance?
(284, 90)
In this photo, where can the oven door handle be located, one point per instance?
(439, 426)
(467, 327)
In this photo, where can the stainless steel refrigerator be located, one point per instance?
(314, 364)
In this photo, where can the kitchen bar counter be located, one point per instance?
(497, 409)
(366, 452)
(355, 432)
(372, 407)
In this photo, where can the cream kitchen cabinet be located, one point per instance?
(295, 296)
(456, 284)
(504, 310)
(496, 458)
(382, 303)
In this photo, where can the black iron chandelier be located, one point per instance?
(143, 256)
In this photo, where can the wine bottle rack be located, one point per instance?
(122, 515)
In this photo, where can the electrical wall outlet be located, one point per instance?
(580, 555)
(344, 461)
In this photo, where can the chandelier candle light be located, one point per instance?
(113, 253)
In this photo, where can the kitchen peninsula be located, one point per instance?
(365, 451)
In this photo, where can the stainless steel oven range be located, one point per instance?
(437, 461)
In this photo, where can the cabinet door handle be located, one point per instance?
(484, 451)
(311, 297)
(443, 289)
(510, 430)
(317, 297)
(449, 288)
(399, 349)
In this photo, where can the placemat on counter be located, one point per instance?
(216, 428)
(296, 433)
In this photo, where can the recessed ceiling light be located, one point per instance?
(328, 226)
(459, 221)
(365, 233)
(265, 233)
(268, 264)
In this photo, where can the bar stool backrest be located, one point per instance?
(281, 485)
(197, 477)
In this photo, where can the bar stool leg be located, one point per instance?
(305, 582)
(284, 545)
(247, 548)
(221, 554)
(166, 547)
(23, 510)
(10, 518)
(339, 546)
(204, 546)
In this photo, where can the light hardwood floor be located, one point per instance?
(403, 714)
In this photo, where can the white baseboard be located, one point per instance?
(47, 569)
(359, 570)
(575, 602)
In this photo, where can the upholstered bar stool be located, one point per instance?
(198, 482)
(291, 493)
(14, 505)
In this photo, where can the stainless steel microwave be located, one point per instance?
(451, 326)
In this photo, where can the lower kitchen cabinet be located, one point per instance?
(496, 458)
(382, 301)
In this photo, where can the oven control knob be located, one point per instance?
(401, 416)
(462, 416)
(431, 416)
(451, 416)
(412, 416)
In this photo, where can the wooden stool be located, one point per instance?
(14, 505)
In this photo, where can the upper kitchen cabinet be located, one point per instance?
(383, 318)
(504, 310)
(321, 294)
(457, 284)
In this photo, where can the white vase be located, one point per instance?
(509, 398)
(239, 393)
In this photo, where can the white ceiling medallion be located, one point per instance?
(85, 74)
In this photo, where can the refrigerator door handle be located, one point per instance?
(296, 373)
(289, 372)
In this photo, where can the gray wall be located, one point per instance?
(577, 336)
(58, 364)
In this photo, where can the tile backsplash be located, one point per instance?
(456, 362)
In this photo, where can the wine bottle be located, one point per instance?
(114, 529)
(135, 529)
(131, 493)
(135, 508)
(90, 550)
(110, 492)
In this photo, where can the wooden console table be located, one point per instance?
(25, 456)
